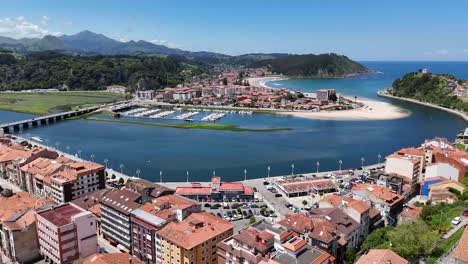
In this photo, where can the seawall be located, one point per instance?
(451, 111)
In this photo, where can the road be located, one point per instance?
(464, 221)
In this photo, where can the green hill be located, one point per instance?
(431, 88)
(44, 70)
(316, 66)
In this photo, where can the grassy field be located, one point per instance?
(44, 103)
(233, 128)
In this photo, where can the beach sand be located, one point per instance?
(372, 110)
(261, 81)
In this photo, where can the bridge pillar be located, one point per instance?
(54, 119)
(11, 129)
(30, 124)
(62, 117)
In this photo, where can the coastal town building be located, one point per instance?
(151, 217)
(66, 233)
(409, 213)
(358, 210)
(112, 258)
(14, 156)
(18, 235)
(438, 189)
(148, 190)
(116, 208)
(389, 204)
(265, 242)
(193, 240)
(318, 232)
(216, 190)
(119, 89)
(324, 95)
(92, 202)
(381, 256)
(462, 137)
(294, 187)
(145, 94)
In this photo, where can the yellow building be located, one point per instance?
(193, 240)
(440, 191)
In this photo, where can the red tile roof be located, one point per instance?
(232, 186)
(461, 251)
(112, 258)
(61, 215)
(381, 256)
(193, 190)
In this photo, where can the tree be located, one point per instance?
(333, 97)
(304, 202)
(239, 210)
(113, 176)
(351, 254)
(252, 220)
(263, 209)
(376, 239)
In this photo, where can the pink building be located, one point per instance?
(66, 233)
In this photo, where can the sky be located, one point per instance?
(363, 30)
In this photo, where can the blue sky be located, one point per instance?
(363, 30)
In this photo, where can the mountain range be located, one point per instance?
(90, 43)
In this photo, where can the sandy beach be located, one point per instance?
(373, 110)
(261, 81)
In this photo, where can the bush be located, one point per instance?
(252, 220)
(121, 181)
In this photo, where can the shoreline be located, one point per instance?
(448, 110)
(372, 109)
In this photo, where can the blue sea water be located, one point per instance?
(176, 151)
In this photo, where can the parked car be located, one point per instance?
(244, 213)
(266, 183)
(456, 220)
(234, 206)
(278, 195)
(465, 213)
(206, 205)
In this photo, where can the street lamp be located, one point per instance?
(378, 158)
(187, 176)
(92, 157)
(269, 169)
(362, 161)
(245, 174)
(214, 173)
(67, 148)
(318, 165)
(106, 161)
(79, 153)
(57, 144)
(292, 169)
(121, 168)
(160, 176)
(138, 173)
(340, 162)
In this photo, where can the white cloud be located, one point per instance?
(442, 52)
(123, 39)
(45, 20)
(19, 27)
(163, 42)
(68, 23)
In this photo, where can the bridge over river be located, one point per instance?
(52, 118)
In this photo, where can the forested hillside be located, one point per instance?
(54, 70)
(431, 88)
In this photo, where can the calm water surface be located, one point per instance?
(175, 151)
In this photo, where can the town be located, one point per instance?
(59, 208)
(235, 89)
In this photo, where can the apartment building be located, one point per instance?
(66, 233)
(381, 256)
(40, 168)
(14, 156)
(148, 190)
(317, 232)
(151, 217)
(116, 208)
(92, 202)
(194, 240)
(18, 236)
(388, 203)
